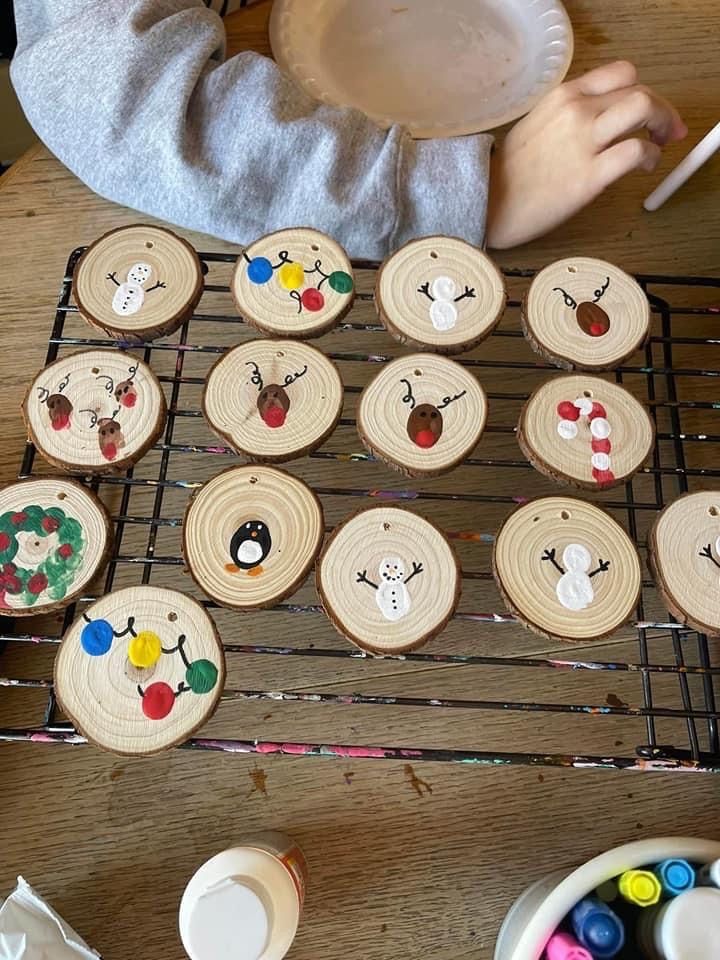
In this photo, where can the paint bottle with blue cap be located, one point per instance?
(675, 876)
(598, 928)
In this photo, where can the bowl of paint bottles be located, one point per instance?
(653, 899)
(245, 903)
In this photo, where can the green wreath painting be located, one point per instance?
(40, 552)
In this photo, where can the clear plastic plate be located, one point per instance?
(441, 68)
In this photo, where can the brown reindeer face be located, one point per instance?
(59, 408)
(425, 425)
(110, 437)
(126, 394)
(591, 318)
(273, 405)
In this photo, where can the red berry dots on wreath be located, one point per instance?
(157, 701)
(4, 541)
(65, 550)
(37, 583)
(18, 518)
(50, 524)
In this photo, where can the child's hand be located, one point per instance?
(572, 146)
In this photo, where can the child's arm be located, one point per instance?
(574, 144)
(133, 96)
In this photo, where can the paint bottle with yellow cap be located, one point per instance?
(245, 903)
(640, 887)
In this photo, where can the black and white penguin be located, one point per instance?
(249, 546)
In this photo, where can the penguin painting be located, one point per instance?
(249, 546)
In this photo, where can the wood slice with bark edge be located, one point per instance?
(252, 494)
(172, 261)
(76, 445)
(413, 279)
(557, 330)
(404, 536)
(271, 305)
(114, 718)
(76, 502)
(410, 391)
(297, 416)
(688, 579)
(570, 461)
(528, 583)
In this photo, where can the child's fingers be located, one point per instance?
(621, 158)
(638, 109)
(605, 79)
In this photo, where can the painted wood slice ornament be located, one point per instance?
(140, 670)
(684, 558)
(293, 283)
(440, 293)
(138, 283)
(422, 414)
(585, 314)
(586, 432)
(567, 569)
(251, 535)
(273, 399)
(54, 537)
(388, 579)
(97, 411)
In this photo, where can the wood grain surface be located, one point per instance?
(406, 859)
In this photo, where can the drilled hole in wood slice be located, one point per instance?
(684, 556)
(95, 422)
(272, 404)
(296, 282)
(49, 553)
(578, 582)
(591, 317)
(583, 431)
(388, 580)
(440, 293)
(422, 426)
(131, 681)
(138, 287)
(251, 535)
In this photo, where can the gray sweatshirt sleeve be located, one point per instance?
(136, 98)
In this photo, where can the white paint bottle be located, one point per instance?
(245, 903)
(685, 928)
(709, 875)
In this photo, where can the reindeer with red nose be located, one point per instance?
(273, 401)
(425, 423)
(59, 407)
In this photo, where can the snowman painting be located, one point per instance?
(391, 594)
(130, 294)
(442, 296)
(574, 589)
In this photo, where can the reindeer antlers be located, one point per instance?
(599, 292)
(93, 417)
(569, 301)
(110, 385)
(44, 393)
(256, 377)
(408, 398)
(446, 401)
(292, 377)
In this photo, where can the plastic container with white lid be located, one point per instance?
(245, 903)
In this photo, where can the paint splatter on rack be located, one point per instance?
(669, 722)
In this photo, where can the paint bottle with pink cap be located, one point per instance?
(245, 903)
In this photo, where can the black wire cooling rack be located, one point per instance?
(526, 703)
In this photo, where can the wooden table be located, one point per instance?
(405, 861)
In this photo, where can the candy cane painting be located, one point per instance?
(570, 412)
